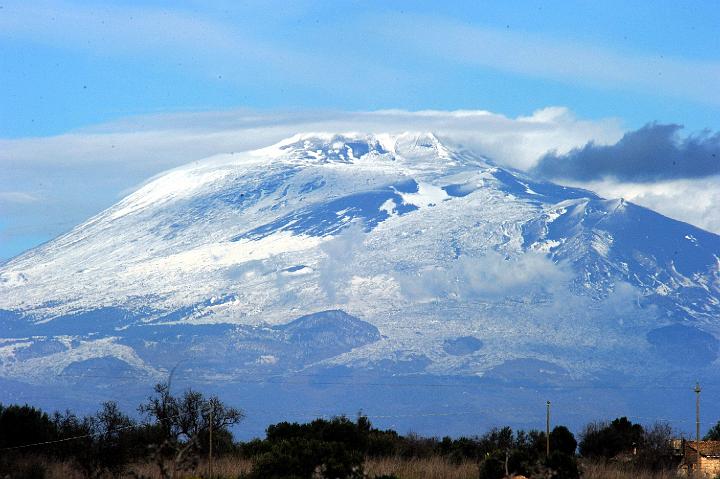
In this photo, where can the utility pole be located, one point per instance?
(697, 413)
(697, 426)
(547, 431)
(210, 458)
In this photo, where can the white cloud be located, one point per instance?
(80, 173)
(488, 276)
(155, 143)
(334, 269)
(694, 201)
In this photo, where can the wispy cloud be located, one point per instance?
(361, 55)
(154, 143)
(488, 276)
(560, 60)
(335, 268)
(187, 39)
(17, 197)
(127, 30)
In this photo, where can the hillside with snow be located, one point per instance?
(333, 263)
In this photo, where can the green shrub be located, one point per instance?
(561, 439)
(492, 466)
(562, 466)
(301, 458)
(609, 439)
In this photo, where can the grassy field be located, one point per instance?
(604, 471)
(233, 467)
(434, 467)
(410, 469)
(431, 468)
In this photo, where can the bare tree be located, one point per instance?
(182, 421)
(656, 453)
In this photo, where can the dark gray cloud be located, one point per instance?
(654, 152)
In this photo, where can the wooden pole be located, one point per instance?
(697, 425)
(547, 431)
(697, 413)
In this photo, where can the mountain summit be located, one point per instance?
(356, 256)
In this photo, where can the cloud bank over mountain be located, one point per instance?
(53, 183)
(654, 152)
(75, 175)
(655, 166)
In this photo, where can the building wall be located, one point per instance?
(690, 460)
(710, 466)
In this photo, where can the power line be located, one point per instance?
(133, 426)
(85, 436)
(317, 415)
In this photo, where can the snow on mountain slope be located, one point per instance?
(389, 254)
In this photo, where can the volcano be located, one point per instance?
(414, 280)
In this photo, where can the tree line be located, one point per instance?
(174, 435)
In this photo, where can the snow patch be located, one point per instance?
(528, 190)
(54, 364)
(601, 242)
(554, 214)
(545, 246)
(389, 207)
(222, 255)
(267, 359)
(172, 186)
(427, 195)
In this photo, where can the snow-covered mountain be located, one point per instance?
(365, 263)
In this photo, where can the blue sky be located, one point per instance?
(71, 66)
(67, 65)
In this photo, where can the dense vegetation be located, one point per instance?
(173, 439)
(174, 436)
(338, 448)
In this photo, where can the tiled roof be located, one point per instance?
(707, 448)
